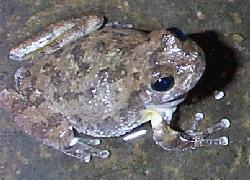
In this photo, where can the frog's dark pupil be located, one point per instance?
(163, 84)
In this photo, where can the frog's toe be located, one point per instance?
(92, 142)
(116, 24)
(224, 123)
(207, 142)
(199, 139)
(82, 149)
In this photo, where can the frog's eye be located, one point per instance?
(178, 33)
(163, 83)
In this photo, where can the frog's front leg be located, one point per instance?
(169, 139)
(55, 36)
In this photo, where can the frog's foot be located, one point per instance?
(83, 149)
(170, 139)
(199, 139)
(116, 24)
(55, 36)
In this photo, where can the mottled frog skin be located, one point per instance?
(103, 81)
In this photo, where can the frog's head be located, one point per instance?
(177, 65)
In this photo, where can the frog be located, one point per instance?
(83, 76)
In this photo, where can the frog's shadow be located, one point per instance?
(221, 66)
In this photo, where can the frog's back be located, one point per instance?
(90, 82)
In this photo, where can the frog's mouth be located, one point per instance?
(169, 103)
(168, 107)
(174, 101)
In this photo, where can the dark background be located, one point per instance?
(222, 30)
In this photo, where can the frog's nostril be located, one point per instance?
(163, 83)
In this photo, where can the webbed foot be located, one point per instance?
(169, 139)
(199, 138)
(83, 149)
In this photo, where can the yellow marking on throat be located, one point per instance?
(154, 116)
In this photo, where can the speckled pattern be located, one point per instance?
(85, 80)
(221, 30)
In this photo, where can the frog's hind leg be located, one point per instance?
(83, 149)
(47, 125)
(55, 36)
(169, 139)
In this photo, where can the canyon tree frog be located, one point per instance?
(81, 76)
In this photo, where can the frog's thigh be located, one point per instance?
(55, 36)
(35, 121)
(52, 129)
(46, 125)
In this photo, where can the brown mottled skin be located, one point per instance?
(99, 85)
